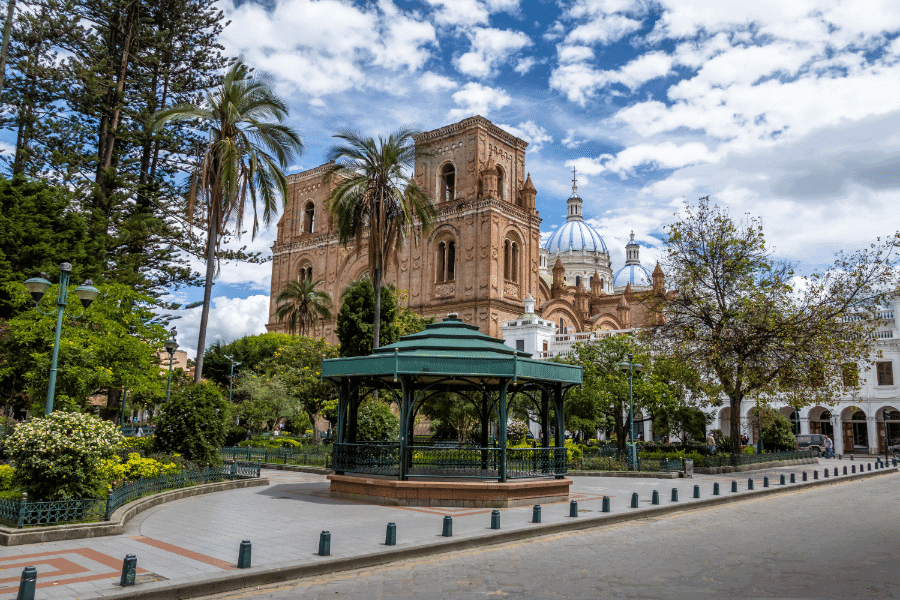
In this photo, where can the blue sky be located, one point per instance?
(789, 111)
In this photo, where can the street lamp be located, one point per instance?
(631, 368)
(171, 346)
(37, 287)
(234, 364)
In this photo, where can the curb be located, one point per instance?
(230, 582)
(627, 474)
(10, 536)
(755, 466)
(296, 468)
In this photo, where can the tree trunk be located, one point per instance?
(376, 326)
(735, 424)
(207, 290)
(7, 33)
(619, 419)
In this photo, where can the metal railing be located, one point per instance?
(24, 512)
(375, 459)
(733, 460)
(131, 431)
(316, 456)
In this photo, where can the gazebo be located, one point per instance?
(451, 357)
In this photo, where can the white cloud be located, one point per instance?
(477, 99)
(229, 319)
(434, 83)
(524, 65)
(490, 48)
(570, 54)
(470, 12)
(531, 132)
(603, 30)
(579, 81)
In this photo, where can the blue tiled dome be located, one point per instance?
(575, 235)
(636, 275)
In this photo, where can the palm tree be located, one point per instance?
(243, 157)
(374, 193)
(300, 302)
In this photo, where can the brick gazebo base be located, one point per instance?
(464, 494)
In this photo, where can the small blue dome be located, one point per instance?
(636, 275)
(575, 235)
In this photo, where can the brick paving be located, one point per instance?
(200, 536)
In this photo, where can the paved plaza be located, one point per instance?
(198, 538)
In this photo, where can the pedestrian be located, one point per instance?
(140, 432)
(712, 443)
(829, 447)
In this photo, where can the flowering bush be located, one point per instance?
(58, 457)
(115, 471)
(141, 444)
(516, 430)
(193, 424)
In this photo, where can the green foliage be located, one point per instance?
(38, 230)
(193, 423)
(355, 319)
(142, 444)
(59, 457)
(234, 435)
(376, 421)
(7, 474)
(408, 321)
(777, 431)
(251, 351)
(452, 414)
(516, 430)
(687, 422)
(298, 424)
(749, 450)
(301, 303)
(111, 345)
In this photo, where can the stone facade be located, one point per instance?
(480, 260)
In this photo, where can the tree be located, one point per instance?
(193, 423)
(355, 329)
(376, 422)
(408, 321)
(300, 302)
(243, 157)
(744, 321)
(375, 194)
(254, 352)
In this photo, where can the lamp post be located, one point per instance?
(631, 368)
(234, 364)
(37, 287)
(171, 345)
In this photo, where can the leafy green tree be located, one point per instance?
(301, 302)
(376, 422)
(408, 321)
(688, 423)
(743, 320)
(111, 346)
(777, 432)
(253, 352)
(374, 193)
(38, 231)
(270, 400)
(58, 457)
(193, 423)
(355, 329)
(452, 414)
(243, 159)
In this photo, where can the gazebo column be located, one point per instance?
(545, 418)
(352, 420)
(405, 428)
(485, 431)
(343, 400)
(560, 426)
(502, 417)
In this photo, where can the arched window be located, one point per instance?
(499, 183)
(305, 273)
(309, 224)
(601, 283)
(445, 263)
(577, 280)
(448, 183)
(511, 260)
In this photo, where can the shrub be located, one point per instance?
(234, 435)
(116, 471)
(193, 424)
(749, 450)
(6, 477)
(142, 444)
(376, 421)
(58, 457)
(516, 430)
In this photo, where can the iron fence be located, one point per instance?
(131, 431)
(310, 457)
(733, 460)
(24, 512)
(535, 462)
(374, 459)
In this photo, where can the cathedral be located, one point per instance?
(483, 259)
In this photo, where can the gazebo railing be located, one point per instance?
(464, 462)
(375, 459)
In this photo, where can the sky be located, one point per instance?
(784, 110)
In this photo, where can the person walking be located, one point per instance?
(712, 443)
(829, 447)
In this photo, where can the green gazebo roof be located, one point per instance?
(451, 348)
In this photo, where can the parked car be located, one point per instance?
(811, 441)
(895, 450)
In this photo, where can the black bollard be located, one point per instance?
(448, 526)
(495, 519)
(825, 472)
(894, 461)
(27, 584)
(634, 500)
(781, 479)
(573, 508)
(853, 469)
(733, 485)
(244, 555)
(390, 536)
(845, 469)
(605, 503)
(325, 543)
(793, 478)
(674, 494)
(696, 491)
(536, 514)
(804, 475)
(851, 457)
(750, 483)
(870, 466)
(715, 490)
(835, 471)
(129, 570)
(816, 474)
(766, 481)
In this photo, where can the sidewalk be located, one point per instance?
(198, 538)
